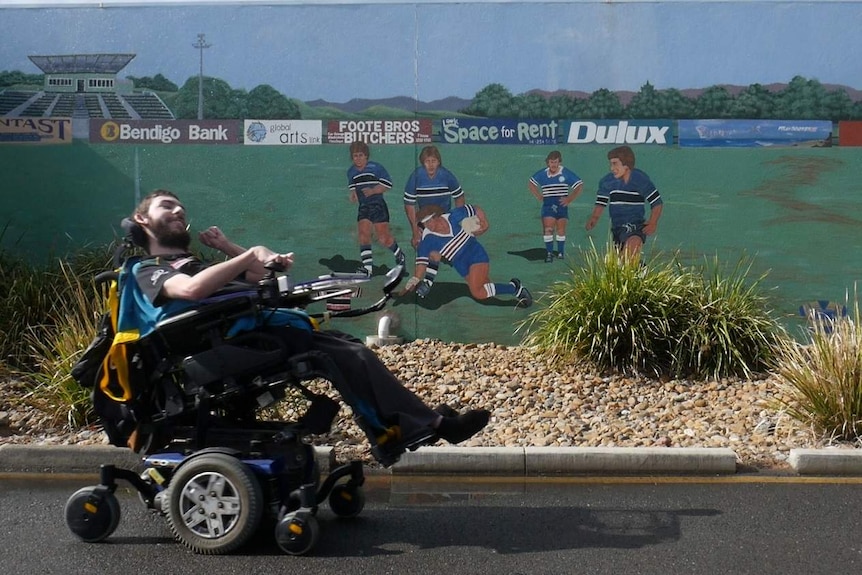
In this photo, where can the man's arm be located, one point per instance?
(654, 215)
(594, 218)
(573, 194)
(410, 210)
(213, 237)
(534, 189)
(211, 279)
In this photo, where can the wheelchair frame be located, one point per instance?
(213, 469)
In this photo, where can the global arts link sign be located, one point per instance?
(282, 132)
(620, 132)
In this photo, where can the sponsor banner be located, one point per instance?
(498, 131)
(415, 131)
(164, 131)
(754, 133)
(35, 130)
(850, 133)
(619, 132)
(283, 132)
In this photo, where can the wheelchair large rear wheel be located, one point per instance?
(214, 503)
(92, 513)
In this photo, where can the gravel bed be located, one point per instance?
(535, 404)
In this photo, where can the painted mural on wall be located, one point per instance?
(484, 143)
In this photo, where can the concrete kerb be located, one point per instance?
(508, 461)
(534, 461)
(829, 461)
(76, 459)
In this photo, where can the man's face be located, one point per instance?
(619, 170)
(360, 160)
(166, 219)
(431, 164)
(554, 165)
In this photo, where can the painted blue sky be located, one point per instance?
(338, 50)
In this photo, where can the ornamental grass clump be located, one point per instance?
(656, 318)
(47, 319)
(55, 346)
(822, 376)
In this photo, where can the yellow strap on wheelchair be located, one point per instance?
(115, 382)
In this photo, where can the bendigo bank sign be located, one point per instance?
(164, 131)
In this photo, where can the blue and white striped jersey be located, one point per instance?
(422, 190)
(627, 201)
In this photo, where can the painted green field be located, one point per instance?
(797, 212)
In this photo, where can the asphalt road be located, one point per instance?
(786, 525)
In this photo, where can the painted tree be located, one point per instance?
(265, 102)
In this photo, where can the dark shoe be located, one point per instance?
(391, 445)
(525, 298)
(400, 259)
(549, 258)
(464, 426)
(363, 271)
(446, 411)
(560, 255)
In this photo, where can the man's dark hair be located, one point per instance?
(144, 206)
(360, 147)
(625, 155)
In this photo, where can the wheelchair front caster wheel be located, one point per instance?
(297, 533)
(92, 513)
(347, 500)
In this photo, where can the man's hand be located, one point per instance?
(412, 283)
(423, 289)
(214, 238)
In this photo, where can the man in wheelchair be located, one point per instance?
(169, 276)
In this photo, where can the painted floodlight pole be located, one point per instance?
(201, 45)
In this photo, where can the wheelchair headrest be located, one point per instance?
(134, 232)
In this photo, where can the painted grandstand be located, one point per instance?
(84, 86)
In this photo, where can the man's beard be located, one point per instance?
(170, 235)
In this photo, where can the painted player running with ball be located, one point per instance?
(451, 237)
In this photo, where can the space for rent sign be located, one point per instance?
(498, 131)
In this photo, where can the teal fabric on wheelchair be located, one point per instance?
(275, 317)
(136, 313)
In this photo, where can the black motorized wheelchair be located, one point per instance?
(213, 467)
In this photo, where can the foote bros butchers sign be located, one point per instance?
(411, 131)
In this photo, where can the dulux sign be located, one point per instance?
(659, 132)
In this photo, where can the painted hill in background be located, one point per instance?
(451, 104)
(454, 104)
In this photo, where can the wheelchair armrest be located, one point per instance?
(216, 313)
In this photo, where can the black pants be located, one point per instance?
(366, 385)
